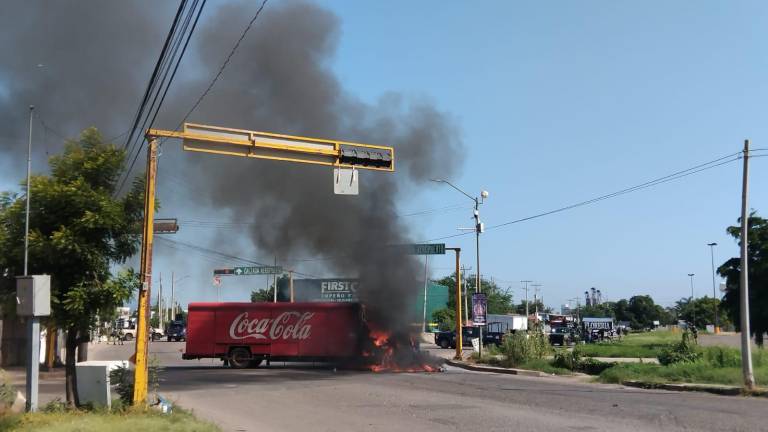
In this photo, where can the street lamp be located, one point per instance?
(693, 306)
(479, 228)
(714, 295)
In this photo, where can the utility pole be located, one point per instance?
(693, 305)
(746, 348)
(535, 299)
(142, 327)
(714, 292)
(173, 305)
(274, 282)
(426, 273)
(33, 322)
(160, 302)
(526, 300)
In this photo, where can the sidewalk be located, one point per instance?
(52, 384)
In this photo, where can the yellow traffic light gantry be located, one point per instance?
(243, 143)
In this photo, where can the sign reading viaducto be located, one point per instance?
(249, 271)
(425, 249)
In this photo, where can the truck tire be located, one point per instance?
(169, 338)
(129, 337)
(239, 358)
(444, 343)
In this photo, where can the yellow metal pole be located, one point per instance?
(459, 338)
(142, 326)
(50, 345)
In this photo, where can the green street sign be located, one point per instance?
(260, 270)
(427, 249)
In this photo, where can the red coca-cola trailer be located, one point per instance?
(244, 334)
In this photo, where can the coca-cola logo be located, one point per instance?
(287, 325)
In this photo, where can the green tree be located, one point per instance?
(641, 311)
(499, 299)
(268, 294)
(703, 308)
(78, 230)
(757, 256)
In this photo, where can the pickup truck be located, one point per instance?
(447, 339)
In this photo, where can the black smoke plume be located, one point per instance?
(97, 58)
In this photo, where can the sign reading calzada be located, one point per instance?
(259, 270)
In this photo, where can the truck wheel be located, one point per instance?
(169, 338)
(444, 344)
(129, 337)
(239, 358)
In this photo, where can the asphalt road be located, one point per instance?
(305, 398)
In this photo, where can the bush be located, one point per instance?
(567, 359)
(681, 352)
(719, 356)
(7, 392)
(522, 347)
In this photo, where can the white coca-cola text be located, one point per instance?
(287, 325)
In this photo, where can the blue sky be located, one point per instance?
(559, 102)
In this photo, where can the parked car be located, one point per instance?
(177, 331)
(157, 334)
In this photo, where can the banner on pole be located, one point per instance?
(479, 309)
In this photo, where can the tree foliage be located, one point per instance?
(757, 262)
(78, 231)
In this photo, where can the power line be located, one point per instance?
(224, 255)
(667, 178)
(165, 66)
(153, 77)
(224, 65)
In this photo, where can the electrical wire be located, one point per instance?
(224, 65)
(224, 255)
(178, 59)
(667, 178)
(153, 77)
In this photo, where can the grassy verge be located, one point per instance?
(699, 373)
(95, 421)
(633, 345)
(717, 365)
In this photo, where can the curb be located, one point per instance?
(706, 388)
(494, 369)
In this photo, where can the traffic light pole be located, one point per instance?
(141, 374)
(459, 338)
(243, 143)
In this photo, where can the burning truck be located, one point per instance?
(246, 334)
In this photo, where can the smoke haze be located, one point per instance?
(98, 56)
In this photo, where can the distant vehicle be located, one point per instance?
(509, 323)
(491, 335)
(177, 331)
(561, 335)
(127, 327)
(157, 334)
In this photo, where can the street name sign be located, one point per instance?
(258, 270)
(426, 249)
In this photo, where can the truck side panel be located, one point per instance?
(200, 333)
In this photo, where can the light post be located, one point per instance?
(693, 305)
(479, 228)
(714, 293)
